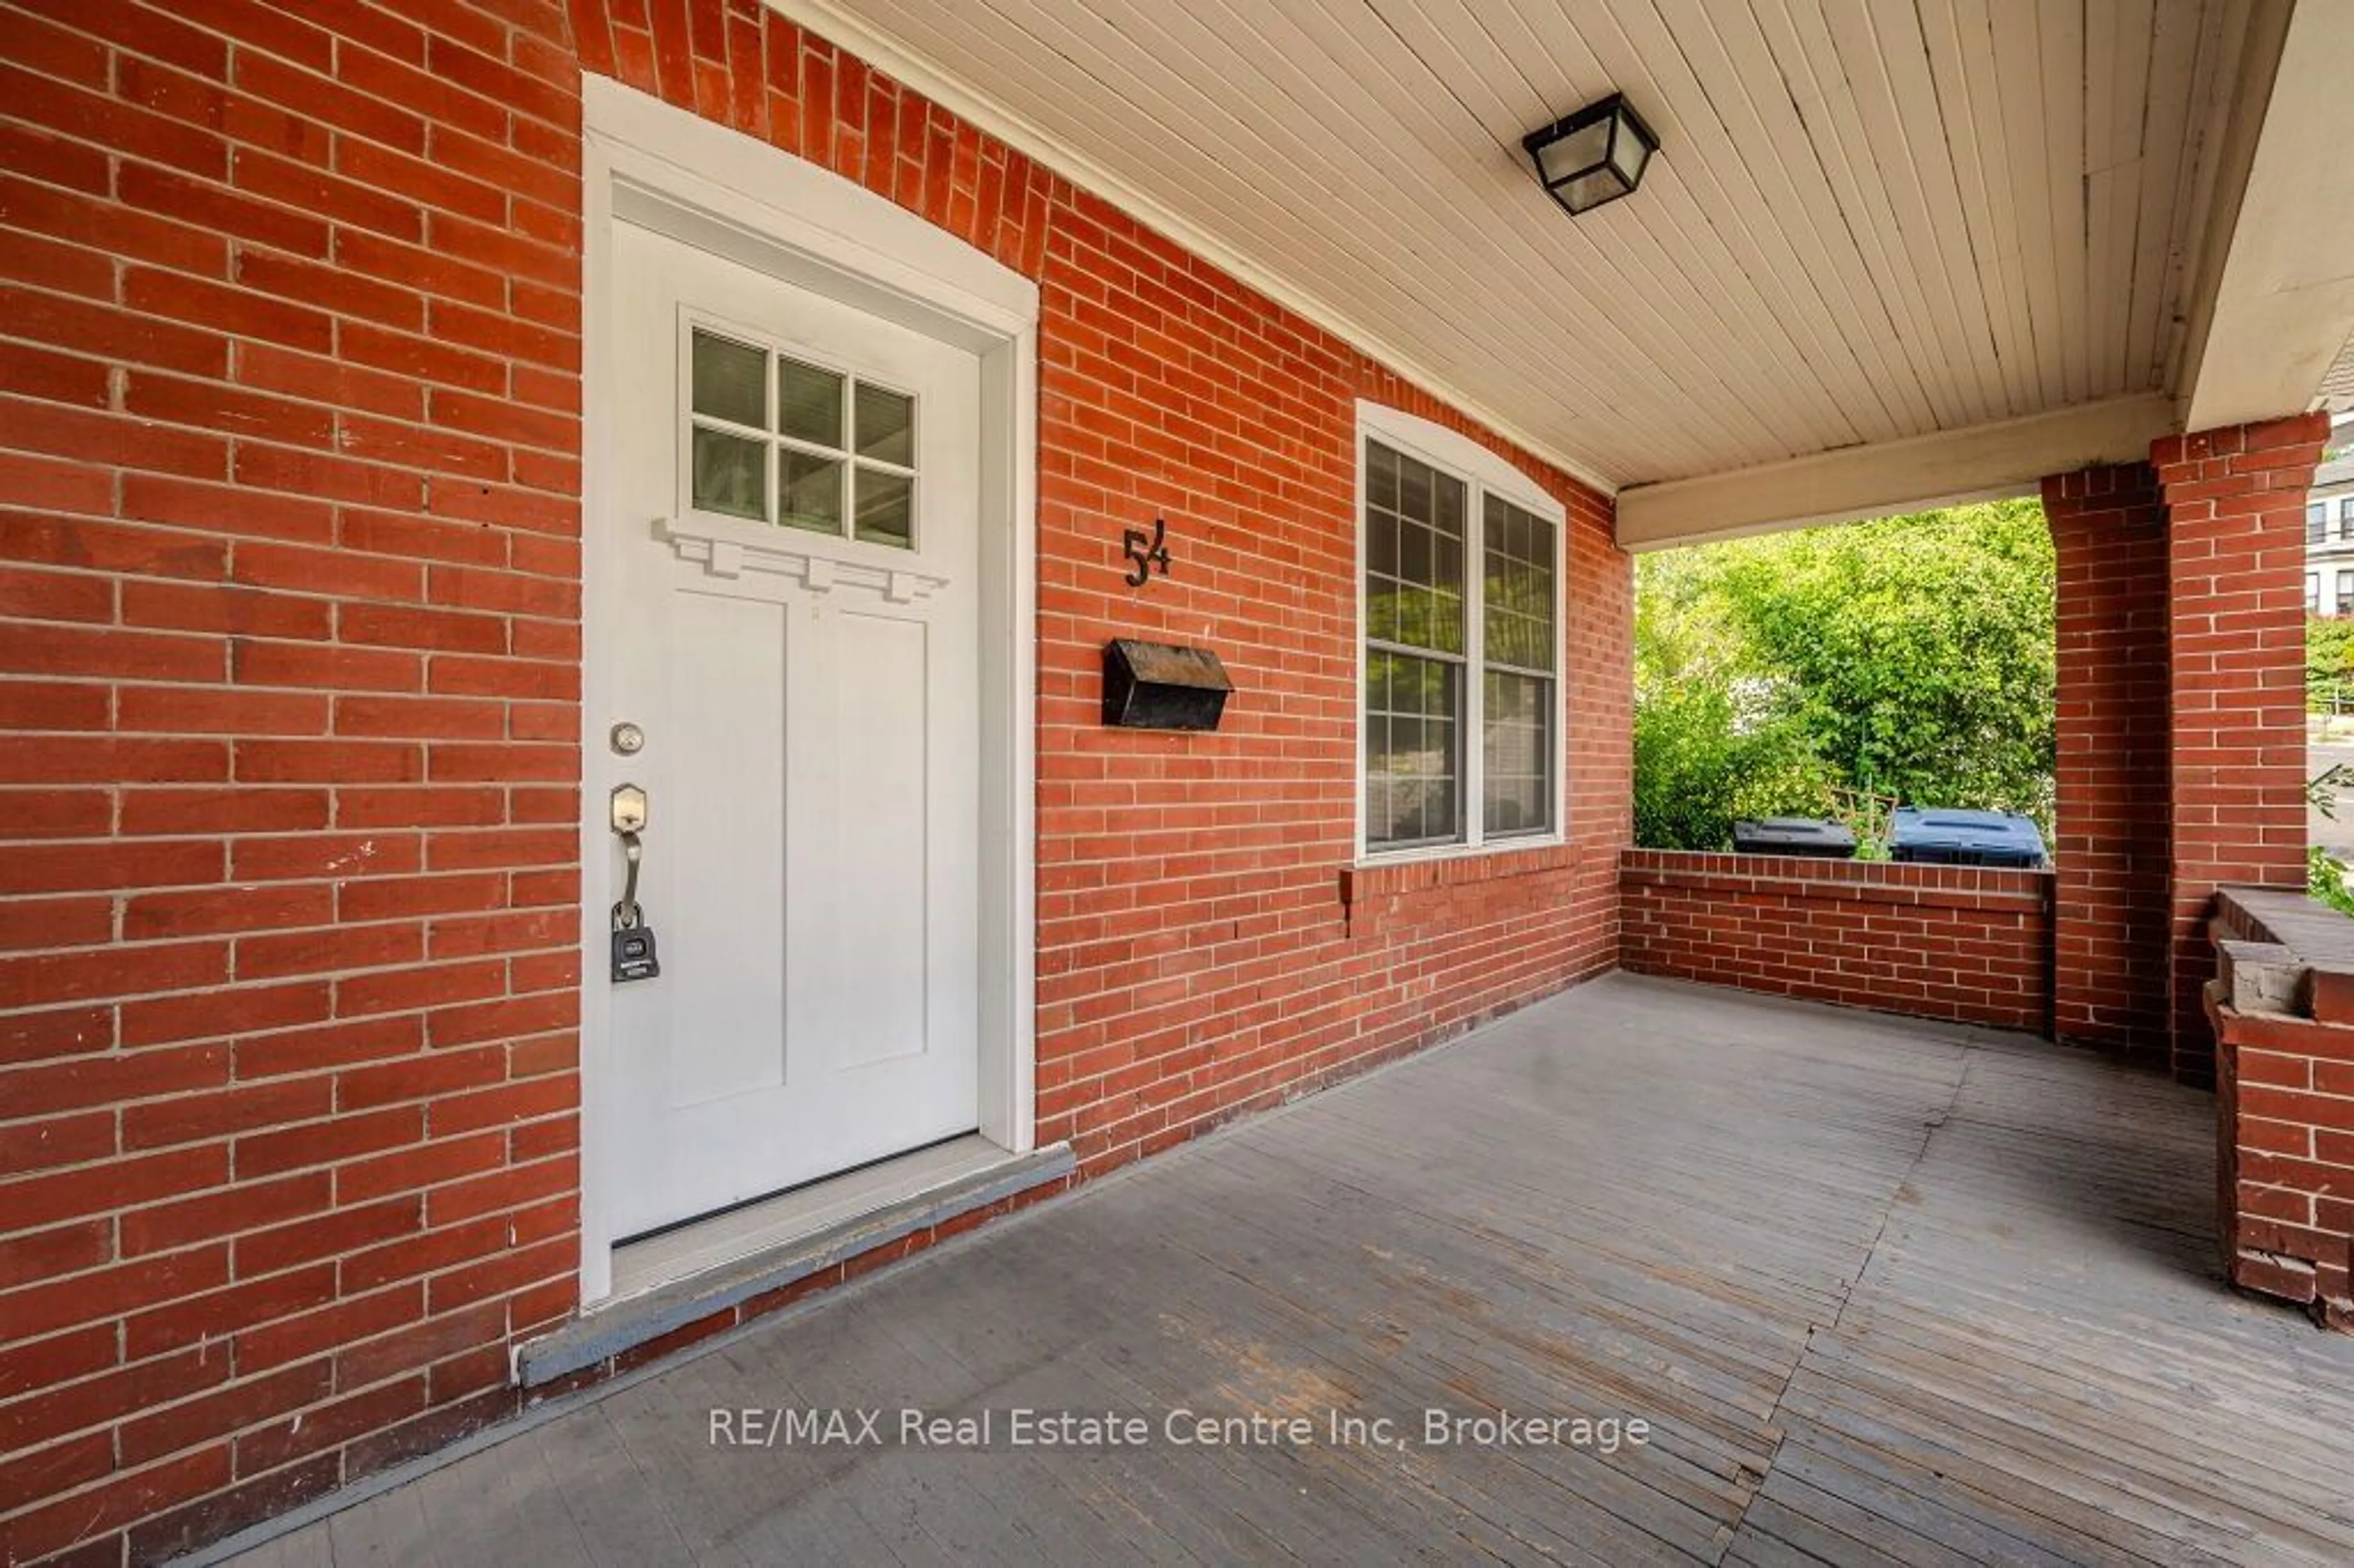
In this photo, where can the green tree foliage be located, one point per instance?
(2325, 879)
(1711, 743)
(2329, 660)
(1908, 656)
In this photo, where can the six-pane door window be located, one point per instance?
(1454, 655)
(775, 440)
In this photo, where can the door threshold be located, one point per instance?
(707, 1241)
(681, 1275)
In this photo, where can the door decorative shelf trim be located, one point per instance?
(724, 553)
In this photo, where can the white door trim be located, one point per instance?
(721, 191)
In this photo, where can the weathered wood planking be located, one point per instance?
(1889, 1293)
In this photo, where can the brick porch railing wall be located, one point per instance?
(2283, 1011)
(1949, 942)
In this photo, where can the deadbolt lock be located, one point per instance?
(628, 808)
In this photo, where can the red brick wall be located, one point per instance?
(1194, 959)
(2111, 921)
(2235, 506)
(289, 676)
(288, 669)
(1931, 941)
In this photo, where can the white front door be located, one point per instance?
(793, 627)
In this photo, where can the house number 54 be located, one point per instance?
(1148, 553)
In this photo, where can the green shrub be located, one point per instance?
(2325, 878)
(1697, 769)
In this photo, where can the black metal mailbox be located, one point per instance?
(1154, 685)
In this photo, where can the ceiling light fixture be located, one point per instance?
(1594, 156)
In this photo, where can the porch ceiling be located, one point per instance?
(1867, 223)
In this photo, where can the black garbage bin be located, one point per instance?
(1793, 836)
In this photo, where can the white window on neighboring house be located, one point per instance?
(2346, 517)
(1461, 725)
(2312, 593)
(2345, 605)
(2316, 521)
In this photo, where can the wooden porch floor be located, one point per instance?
(1886, 1291)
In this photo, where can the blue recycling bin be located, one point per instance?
(1935, 835)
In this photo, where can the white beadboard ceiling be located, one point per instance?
(1870, 219)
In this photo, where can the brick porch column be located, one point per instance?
(2235, 511)
(2111, 924)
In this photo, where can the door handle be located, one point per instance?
(628, 818)
(633, 938)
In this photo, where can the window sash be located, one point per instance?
(1391, 715)
(1506, 537)
(1535, 731)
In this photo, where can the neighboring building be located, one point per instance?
(2329, 527)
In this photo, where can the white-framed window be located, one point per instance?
(1461, 599)
(2313, 593)
(2346, 517)
(2345, 602)
(772, 436)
